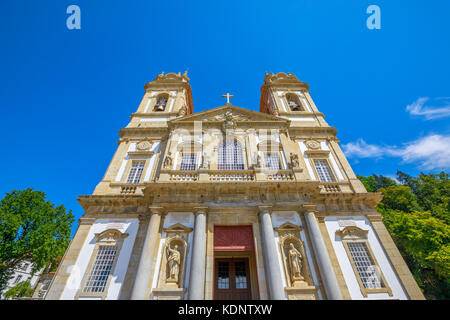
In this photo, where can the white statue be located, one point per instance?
(173, 263)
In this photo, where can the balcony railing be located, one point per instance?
(231, 175)
(184, 176)
(281, 175)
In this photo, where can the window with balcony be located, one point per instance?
(272, 161)
(188, 162)
(230, 156)
(324, 171)
(137, 167)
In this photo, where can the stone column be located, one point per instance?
(198, 258)
(142, 285)
(323, 260)
(272, 266)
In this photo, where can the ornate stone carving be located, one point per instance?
(312, 144)
(295, 263)
(168, 161)
(293, 256)
(352, 233)
(143, 145)
(258, 161)
(294, 160)
(205, 164)
(173, 263)
(229, 123)
(110, 235)
(183, 111)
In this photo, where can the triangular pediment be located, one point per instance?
(229, 113)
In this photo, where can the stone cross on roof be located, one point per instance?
(228, 96)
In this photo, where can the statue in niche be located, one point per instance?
(173, 263)
(168, 161)
(294, 160)
(295, 263)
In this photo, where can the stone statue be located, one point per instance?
(258, 161)
(168, 161)
(182, 112)
(294, 160)
(205, 162)
(276, 112)
(295, 263)
(173, 263)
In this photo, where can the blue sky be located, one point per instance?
(64, 94)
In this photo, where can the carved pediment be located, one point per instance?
(111, 235)
(287, 226)
(229, 114)
(177, 228)
(352, 232)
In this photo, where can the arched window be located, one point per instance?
(161, 102)
(294, 103)
(230, 156)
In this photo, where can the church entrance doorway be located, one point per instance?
(232, 279)
(234, 271)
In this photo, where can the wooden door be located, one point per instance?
(232, 279)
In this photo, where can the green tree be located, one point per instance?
(375, 182)
(22, 289)
(416, 213)
(32, 229)
(398, 198)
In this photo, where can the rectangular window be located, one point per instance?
(367, 270)
(101, 269)
(230, 156)
(188, 162)
(137, 167)
(272, 161)
(19, 277)
(324, 171)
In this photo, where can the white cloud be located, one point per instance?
(418, 108)
(430, 152)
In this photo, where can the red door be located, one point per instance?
(232, 279)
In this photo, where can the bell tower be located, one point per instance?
(283, 95)
(168, 96)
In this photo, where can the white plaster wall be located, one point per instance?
(155, 149)
(186, 219)
(303, 148)
(132, 147)
(393, 282)
(279, 218)
(129, 226)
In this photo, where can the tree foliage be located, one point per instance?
(416, 213)
(22, 289)
(32, 229)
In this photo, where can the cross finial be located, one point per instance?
(228, 96)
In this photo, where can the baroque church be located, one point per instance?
(231, 203)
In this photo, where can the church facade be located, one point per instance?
(231, 203)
